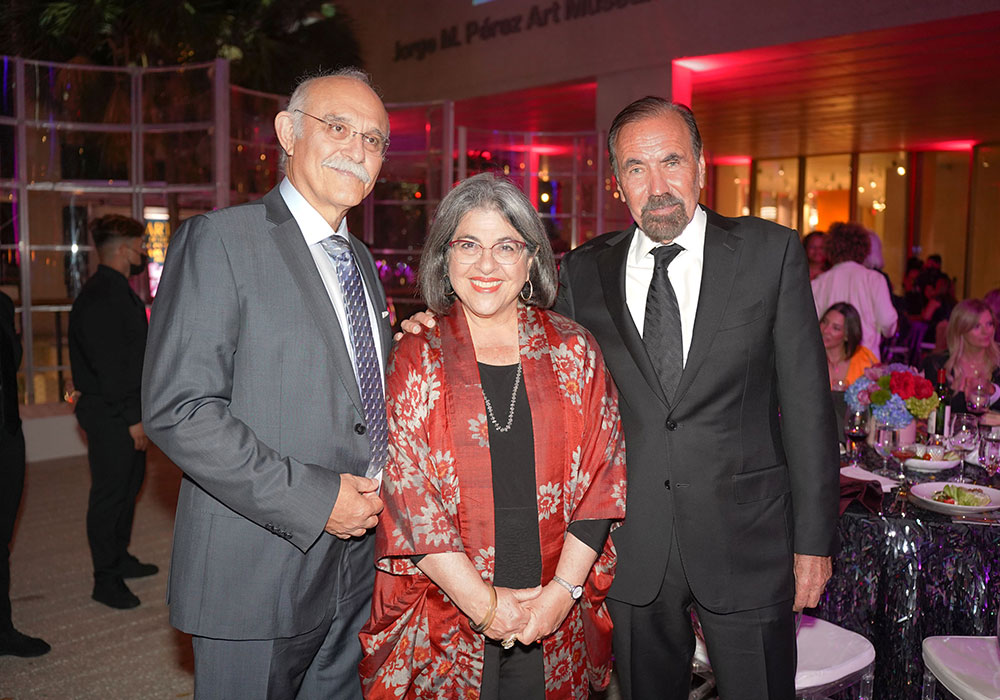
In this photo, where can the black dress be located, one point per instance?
(518, 672)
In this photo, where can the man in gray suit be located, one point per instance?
(263, 383)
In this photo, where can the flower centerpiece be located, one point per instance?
(897, 394)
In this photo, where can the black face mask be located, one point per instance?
(137, 269)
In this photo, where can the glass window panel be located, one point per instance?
(881, 207)
(828, 192)
(399, 225)
(777, 190)
(984, 258)
(54, 155)
(61, 218)
(8, 86)
(732, 190)
(410, 178)
(66, 94)
(177, 96)
(252, 116)
(50, 386)
(398, 272)
(944, 202)
(251, 175)
(7, 141)
(50, 350)
(58, 275)
(178, 157)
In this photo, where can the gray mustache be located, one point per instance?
(347, 166)
(662, 200)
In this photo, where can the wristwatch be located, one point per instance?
(574, 591)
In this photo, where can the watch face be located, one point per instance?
(576, 592)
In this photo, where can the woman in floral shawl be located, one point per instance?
(506, 472)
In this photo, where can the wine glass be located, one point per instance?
(887, 440)
(856, 424)
(977, 397)
(989, 451)
(964, 438)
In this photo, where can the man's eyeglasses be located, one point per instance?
(373, 142)
(504, 252)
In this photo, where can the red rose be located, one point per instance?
(923, 388)
(902, 384)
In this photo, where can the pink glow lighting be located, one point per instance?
(957, 145)
(731, 160)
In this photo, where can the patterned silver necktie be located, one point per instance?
(365, 358)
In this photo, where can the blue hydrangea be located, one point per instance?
(893, 412)
(851, 395)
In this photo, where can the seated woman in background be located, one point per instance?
(506, 473)
(846, 357)
(973, 357)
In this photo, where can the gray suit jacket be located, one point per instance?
(249, 389)
(741, 486)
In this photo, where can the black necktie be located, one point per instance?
(661, 330)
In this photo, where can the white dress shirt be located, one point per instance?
(314, 229)
(684, 274)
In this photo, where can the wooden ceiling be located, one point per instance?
(929, 86)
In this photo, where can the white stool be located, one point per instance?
(830, 660)
(969, 667)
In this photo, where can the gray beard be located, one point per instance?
(664, 229)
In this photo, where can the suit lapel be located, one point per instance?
(611, 264)
(294, 251)
(722, 255)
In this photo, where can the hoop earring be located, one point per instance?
(531, 292)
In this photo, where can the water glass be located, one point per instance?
(856, 426)
(964, 437)
(989, 452)
(886, 441)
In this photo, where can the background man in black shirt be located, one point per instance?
(11, 479)
(107, 340)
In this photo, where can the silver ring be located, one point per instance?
(508, 643)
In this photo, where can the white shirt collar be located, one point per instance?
(692, 239)
(312, 224)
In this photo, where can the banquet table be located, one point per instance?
(910, 573)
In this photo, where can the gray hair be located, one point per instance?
(646, 108)
(301, 93)
(490, 192)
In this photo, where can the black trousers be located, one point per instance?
(752, 652)
(117, 470)
(11, 487)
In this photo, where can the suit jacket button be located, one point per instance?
(671, 425)
(359, 429)
(666, 484)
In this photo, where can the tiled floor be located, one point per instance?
(96, 652)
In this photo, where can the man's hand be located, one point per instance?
(356, 509)
(811, 575)
(416, 323)
(139, 439)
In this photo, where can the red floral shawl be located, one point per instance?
(439, 498)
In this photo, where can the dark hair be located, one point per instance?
(852, 326)
(929, 277)
(914, 263)
(847, 241)
(646, 108)
(935, 257)
(489, 192)
(111, 228)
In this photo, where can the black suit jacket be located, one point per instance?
(743, 487)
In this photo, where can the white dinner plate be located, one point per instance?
(923, 496)
(930, 465)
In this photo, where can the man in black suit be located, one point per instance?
(732, 506)
(12, 457)
(107, 341)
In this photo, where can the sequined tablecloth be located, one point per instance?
(900, 579)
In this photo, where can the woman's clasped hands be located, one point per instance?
(527, 615)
